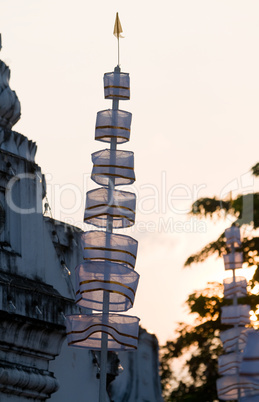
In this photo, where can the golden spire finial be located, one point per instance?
(117, 32)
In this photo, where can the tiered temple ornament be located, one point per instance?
(106, 280)
(121, 330)
(113, 124)
(250, 361)
(229, 386)
(117, 164)
(116, 86)
(235, 315)
(237, 288)
(103, 204)
(91, 284)
(240, 380)
(231, 339)
(233, 260)
(122, 248)
(236, 387)
(229, 363)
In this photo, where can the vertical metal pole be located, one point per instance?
(106, 295)
(235, 304)
(118, 50)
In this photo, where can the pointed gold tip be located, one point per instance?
(117, 27)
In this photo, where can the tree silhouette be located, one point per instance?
(202, 346)
(200, 342)
(245, 211)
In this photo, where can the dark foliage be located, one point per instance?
(255, 169)
(245, 208)
(203, 345)
(207, 207)
(201, 340)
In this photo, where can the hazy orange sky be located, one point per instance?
(194, 98)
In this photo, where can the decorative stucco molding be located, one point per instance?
(20, 381)
(17, 144)
(10, 108)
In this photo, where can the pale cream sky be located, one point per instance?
(194, 98)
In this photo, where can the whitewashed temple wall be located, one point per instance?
(35, 294)
(138, 382)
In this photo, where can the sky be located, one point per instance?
(194, 98)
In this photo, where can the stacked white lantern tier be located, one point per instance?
(235, 288)
(106, 280)
(116, 164)
(113, 124)
(91, 283)
(122, 248)
(116, 85)
(239, 380)
(104, 205)
(87, 333)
